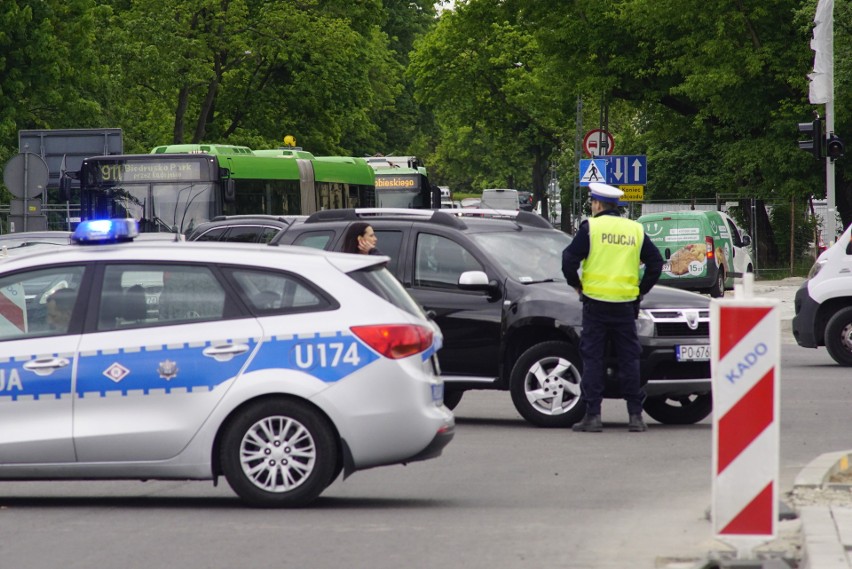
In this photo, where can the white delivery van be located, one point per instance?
(824, 303)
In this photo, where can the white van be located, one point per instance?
(500, 199)
(824, 303)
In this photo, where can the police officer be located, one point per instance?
(610, 249)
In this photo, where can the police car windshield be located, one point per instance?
(381, 282)
(528, 256)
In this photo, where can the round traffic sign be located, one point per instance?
(26, 175)
(598, 142)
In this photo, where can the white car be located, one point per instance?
(277, 367)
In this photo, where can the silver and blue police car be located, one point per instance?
(278, 368)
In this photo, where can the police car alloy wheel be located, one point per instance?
(545, 385)
(278, 453)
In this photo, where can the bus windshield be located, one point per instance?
(157, 207)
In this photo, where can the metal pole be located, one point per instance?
(26, 184)
(576, 197)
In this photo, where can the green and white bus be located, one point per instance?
(402, 182)
(174, 188)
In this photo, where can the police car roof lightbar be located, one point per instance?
(98, 231)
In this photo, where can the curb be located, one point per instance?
(826, 529)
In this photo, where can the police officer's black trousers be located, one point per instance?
(615, 321)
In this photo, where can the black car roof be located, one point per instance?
(462, 220)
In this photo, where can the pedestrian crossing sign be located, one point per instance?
(592, 171)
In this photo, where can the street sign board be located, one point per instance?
(629, 170)
(592, 171)
(632, 193)
(598, 142)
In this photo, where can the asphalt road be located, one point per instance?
(504, 495)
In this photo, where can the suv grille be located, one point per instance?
(681, 322)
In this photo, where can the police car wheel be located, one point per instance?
(838, 337)
(278, 453)
(545, 385)
(682, 410)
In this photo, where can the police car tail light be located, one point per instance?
(711, 251)
(395, 341)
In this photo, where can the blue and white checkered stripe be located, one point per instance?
(138, 370)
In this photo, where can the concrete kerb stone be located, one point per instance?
(820, 470)
(826, 520)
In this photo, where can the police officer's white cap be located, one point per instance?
(605, 192)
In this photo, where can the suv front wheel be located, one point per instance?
(681, 410)
(545, 385)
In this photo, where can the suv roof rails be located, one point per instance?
(521, 217)
(283, 218)
(433, 215)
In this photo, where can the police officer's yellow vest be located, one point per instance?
(611, 270)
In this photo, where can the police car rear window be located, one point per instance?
(273, 292)
(381, 282)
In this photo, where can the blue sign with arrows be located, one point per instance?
(627, 170)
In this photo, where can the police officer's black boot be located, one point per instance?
(589, 424)
(636, 424)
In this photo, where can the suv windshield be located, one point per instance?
(528, 256)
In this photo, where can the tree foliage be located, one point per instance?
(711, 91)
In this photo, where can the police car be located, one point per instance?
(278, 368)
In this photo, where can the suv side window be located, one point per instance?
(244, 234)
(389, 242)
(314, 239)
(440, 261)
(214, 234)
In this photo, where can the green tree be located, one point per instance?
(251, 72)
(499, 115)
(51, 75)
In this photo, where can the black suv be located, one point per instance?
(495, 288)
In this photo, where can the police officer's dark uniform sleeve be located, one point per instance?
(650, 255)
(574, 254)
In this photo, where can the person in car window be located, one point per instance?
(610, 249)
(59, 307)
(360, 238)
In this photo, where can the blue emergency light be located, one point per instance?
(105, 231)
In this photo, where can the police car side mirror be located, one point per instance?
(746, 240)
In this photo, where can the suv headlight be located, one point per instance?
(816, 268)
(644, 324)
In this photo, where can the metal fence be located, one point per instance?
(58, 217)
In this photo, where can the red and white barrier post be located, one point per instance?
(745, 346)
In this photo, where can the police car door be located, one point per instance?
(167, 345)
(40, 322)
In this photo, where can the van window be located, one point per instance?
(500, 199)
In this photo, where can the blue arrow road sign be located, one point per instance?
(627, 170)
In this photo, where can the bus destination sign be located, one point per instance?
(397, 181)
(159, 170)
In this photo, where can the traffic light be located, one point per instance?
(813, 130)
(834, 147)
